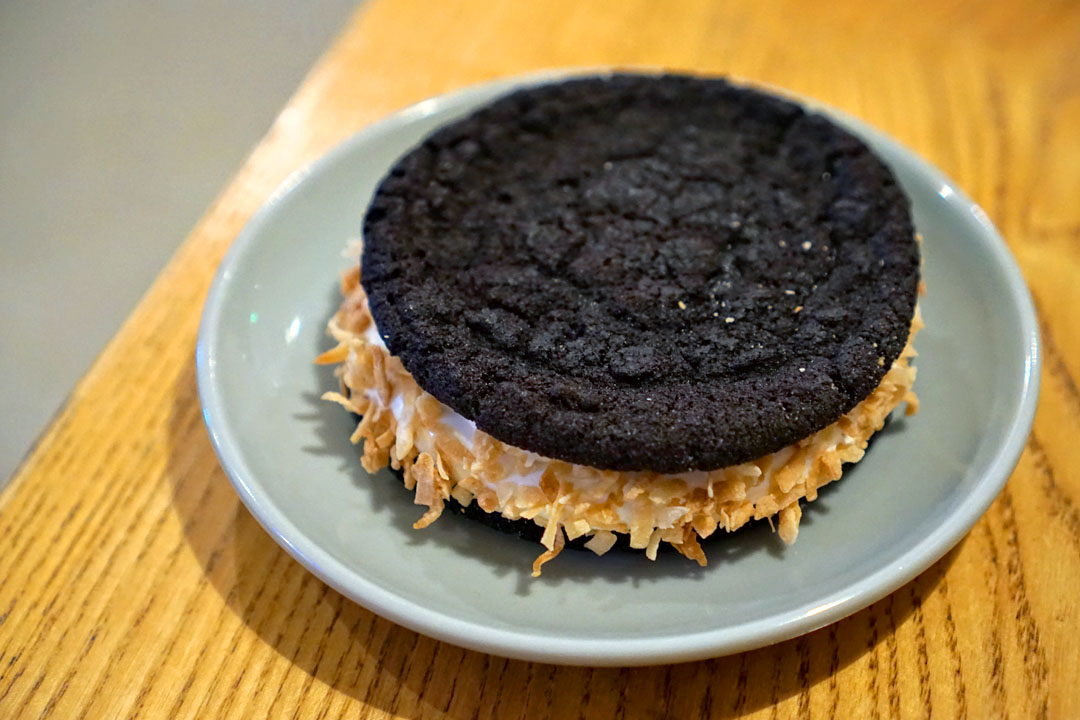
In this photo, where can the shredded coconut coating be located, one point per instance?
(408, 429)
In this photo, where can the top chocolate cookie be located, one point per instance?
(643, 272)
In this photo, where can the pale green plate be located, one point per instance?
(920, 489)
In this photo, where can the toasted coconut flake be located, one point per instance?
(333, 356)
(576, 529)
(407, 428)
(789, 522)
(461, 495)
(601, 542)
(548, 555)
(551, 530)
(690, 548)
(654, 543)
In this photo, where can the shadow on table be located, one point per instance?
(357, 653)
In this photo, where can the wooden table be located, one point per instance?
(134, 583)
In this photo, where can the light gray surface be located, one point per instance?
(119, 123)
(918, 491)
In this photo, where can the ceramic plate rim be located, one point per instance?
(602, 651)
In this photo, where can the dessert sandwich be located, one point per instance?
(629, 309)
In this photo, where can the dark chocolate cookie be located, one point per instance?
(643, 272)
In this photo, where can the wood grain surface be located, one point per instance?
(135, 584)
